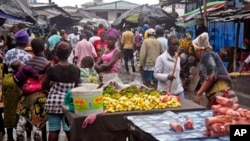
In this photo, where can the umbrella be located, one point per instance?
(142, 14)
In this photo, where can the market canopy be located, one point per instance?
(142, 14)
(211, 6)
(16, 9)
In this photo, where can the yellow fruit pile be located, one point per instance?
(138, 100)
(185, 44)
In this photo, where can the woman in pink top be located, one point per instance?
(109, 62)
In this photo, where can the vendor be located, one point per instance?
(213, 74)
(164, 67)
(110, 60)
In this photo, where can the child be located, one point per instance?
(58, 79)
(23, 72)
(88, 74)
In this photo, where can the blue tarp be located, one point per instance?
(157, 126)
(223, 34)
(7, 16)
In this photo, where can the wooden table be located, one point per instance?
(113, 126)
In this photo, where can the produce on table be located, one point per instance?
(133, 98)
(189, 124)
(177, 127)
(225, 114)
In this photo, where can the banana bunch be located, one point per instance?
(117, 102)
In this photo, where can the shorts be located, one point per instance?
(56, 120)
(148, 75)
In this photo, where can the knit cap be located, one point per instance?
(22, 37)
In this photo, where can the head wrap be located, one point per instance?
(113, 32)
(201, 42)
(22, 37)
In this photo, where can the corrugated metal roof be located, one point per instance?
(35, 5)
(84, 14)
(229, 15)
(121, 5)
(49, 7)
(49, 13)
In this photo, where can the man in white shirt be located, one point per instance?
(73, 38)
(166, 70)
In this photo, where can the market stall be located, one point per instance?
(113, 126)
(156, 127)
(214, 124)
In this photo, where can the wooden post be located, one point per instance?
(205, 12)
(236, 46)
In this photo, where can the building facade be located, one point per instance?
(110, 11)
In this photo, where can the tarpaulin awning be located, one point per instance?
(186, 24)
(142, 14)
(211, 6)
(7, 16)
(17, 9)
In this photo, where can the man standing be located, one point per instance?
(160, 37)
(167, 70)
(84, 48)
(128, 41)
(150, 50)
(73, 38)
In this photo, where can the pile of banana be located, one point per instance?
(133, 98)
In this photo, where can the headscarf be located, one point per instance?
(201, 42)
(113, 32)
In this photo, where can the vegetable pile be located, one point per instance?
(225, 114)
(132, 98)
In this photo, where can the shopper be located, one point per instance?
(150, 50)
(109, 62)
(128, 41)
(84, 48)
(30, 103)
(11, 91)
(57, 86)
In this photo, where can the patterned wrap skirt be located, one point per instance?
(32, 108)
(11, 95)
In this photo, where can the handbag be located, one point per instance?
(32, 85)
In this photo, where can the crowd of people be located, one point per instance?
(64, 61)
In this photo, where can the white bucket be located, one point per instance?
(87, 99)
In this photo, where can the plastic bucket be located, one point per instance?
(87, 99)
